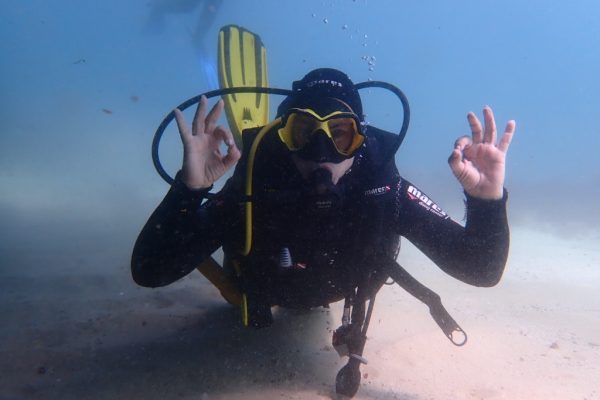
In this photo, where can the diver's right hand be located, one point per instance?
(203, 162)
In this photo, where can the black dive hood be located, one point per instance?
(282, 92)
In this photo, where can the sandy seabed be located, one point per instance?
(97, 336)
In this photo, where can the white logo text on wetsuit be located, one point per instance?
(424, 201)
(377, 191)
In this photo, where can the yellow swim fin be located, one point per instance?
(242, 62)
(215, 274)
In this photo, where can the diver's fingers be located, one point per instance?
(456, 159)
(462, 142)
(198, 123)
(213, 117)
(456, 162)
(476, 129)
(508, 135)
(233, 153)
(489, 135)
(184, 131)
(224, 134)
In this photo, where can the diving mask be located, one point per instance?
(333, 137)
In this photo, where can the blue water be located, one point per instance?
(64, 62)
(84, 84)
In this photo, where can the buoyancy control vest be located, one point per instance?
(307, 251)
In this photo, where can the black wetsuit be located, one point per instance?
(333, 246)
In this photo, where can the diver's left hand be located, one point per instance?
(478, 162)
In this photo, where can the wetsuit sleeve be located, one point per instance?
(476, 253)
(180, 234)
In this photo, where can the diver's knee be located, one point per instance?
(144, 279)
(489, 279)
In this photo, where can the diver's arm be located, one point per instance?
(180, 234)
(476, 253)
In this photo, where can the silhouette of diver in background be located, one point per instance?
(161, 9)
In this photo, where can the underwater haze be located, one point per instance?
(84, 84)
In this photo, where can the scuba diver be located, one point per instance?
(315, 209)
